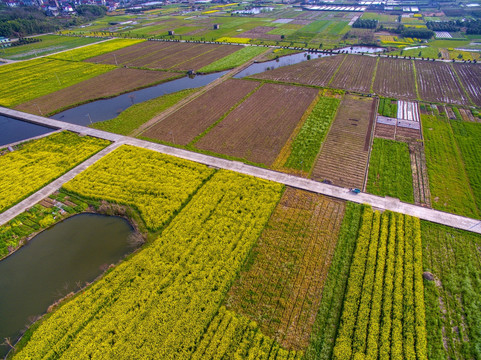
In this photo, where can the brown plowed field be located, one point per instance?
(313, 72)
(195, 117)
(437, 82)
(282, 287)
(395, 78)
(111, 83)
(344, 155)
(259, 127)
(470, 76)
(385, 131)
(355, 74)
(260, 32)
(167, 55)
(422, 195)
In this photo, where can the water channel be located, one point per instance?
(12, 130)
(107, 109)
(54, 263)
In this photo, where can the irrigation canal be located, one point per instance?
(383, 203)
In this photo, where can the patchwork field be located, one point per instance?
(313, 72)
(280, 284)
(112, 83)
(470, 77)
(344, 155)
(355, 74)
(167, 55)
(258, 128)
(184, 125)
(395, 79)
(437, 82)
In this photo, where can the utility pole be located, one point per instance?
(88, 114)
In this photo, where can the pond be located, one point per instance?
(54, 263)
(12, 130)
(107, 109)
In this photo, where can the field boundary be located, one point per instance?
(462, 85)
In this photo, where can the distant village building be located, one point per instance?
(171, 32)
(216, 26)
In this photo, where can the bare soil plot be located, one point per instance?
(355, 74)
(313, 72)
(437, 82)
(192, 119)
(281, 286)
(395, 78)
(259, 127)
(422, 195)
(167, 55)
(470, 76)
(260, 32)
(105, 85)
(385, 131)
(344, 155)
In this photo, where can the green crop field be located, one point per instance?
(307, 143)
(49, 44)
(448, 181)
(390, 170)
(453, 300)
(233, 60)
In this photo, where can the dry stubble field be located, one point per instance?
(395, 79)
(355, 74)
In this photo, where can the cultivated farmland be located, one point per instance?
(105, 85)
(313, 72)
(383, 313)
(167, 55)
(37, 163)
(356, 74)
(470, 76)
(28, 80)
(437, 82)
(258, 128)
(395, 78)
(453, 299)
(95, 50)
(280, 285)
(344, 155)
(193, 119)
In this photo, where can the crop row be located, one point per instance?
(383, 313)
(156, 185)
(27, 80)
(159, 303)
(37, 163)
(387, 108)
(233, 336)
(87, 52)
(307, 143)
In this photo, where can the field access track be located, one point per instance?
(105, 85)
(182, 126)
(456, 221)
(166, 55)
(344, 154)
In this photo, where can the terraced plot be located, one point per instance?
(106, 85)
(437, 82)
(280, 285)
(355, 74)
(395, 78)
(344, 155)
(313, 72)
(167, 55)
(258, 128)
(470, 76)
(184, 125)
